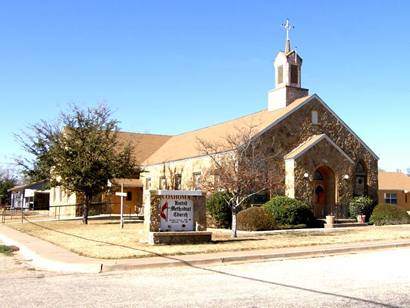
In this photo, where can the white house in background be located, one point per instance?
(33, 196)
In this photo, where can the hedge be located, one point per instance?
(255, 219)
(385, 214)
(288, 211)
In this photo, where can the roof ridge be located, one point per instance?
(223, 122)
(207, 127)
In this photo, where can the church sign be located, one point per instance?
(175, 217)
(176, 214)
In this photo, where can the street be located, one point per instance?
(373, 279)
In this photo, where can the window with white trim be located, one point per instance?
(390, 198)
(148, 183)
(197, 180)
(162, 183)
(178, 182)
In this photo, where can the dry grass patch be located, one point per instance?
(105, 239)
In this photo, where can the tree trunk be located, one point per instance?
(85, 210)
(234, 233)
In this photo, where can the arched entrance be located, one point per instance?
(324, 191)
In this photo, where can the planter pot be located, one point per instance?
(361, 218)
(330, 220)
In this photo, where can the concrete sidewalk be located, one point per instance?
(47, 256)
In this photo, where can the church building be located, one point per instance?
(316, 156)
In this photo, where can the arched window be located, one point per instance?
(360, 168)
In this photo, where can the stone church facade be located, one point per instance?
(316, 157)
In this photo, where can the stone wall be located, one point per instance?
(297, 128)
(281, 139)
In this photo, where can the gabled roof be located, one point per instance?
(158, 149)
(186, 145)
(393, 181)
(311, 142)
(144, 144)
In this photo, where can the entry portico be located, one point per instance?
(317, 171)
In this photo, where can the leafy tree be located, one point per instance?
(239, 167)
(80, 153)
(7, 181)
(36, 141)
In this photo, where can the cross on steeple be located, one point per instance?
(288, 27)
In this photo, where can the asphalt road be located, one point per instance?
(372, 279)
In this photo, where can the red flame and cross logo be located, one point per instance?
(164, 211)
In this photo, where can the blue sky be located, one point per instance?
(172, 66)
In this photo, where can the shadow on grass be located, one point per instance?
(219, 272)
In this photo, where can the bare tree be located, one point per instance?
(238, 167)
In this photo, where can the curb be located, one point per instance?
(43, 263)
(175, 262)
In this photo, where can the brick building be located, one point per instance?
(394, 188)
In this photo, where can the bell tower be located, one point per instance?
(288, 71)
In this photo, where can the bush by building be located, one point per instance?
(362, 205)
(255, 219)
(288, 211)
(385, 214)
(219, 210)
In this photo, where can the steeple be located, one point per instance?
(288, 69)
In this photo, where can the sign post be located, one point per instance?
(122, 194)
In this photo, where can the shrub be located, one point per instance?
(362, 205)
(385, 214)
(255, 219)
(6, 250)
(219, 209)
(288, 211)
